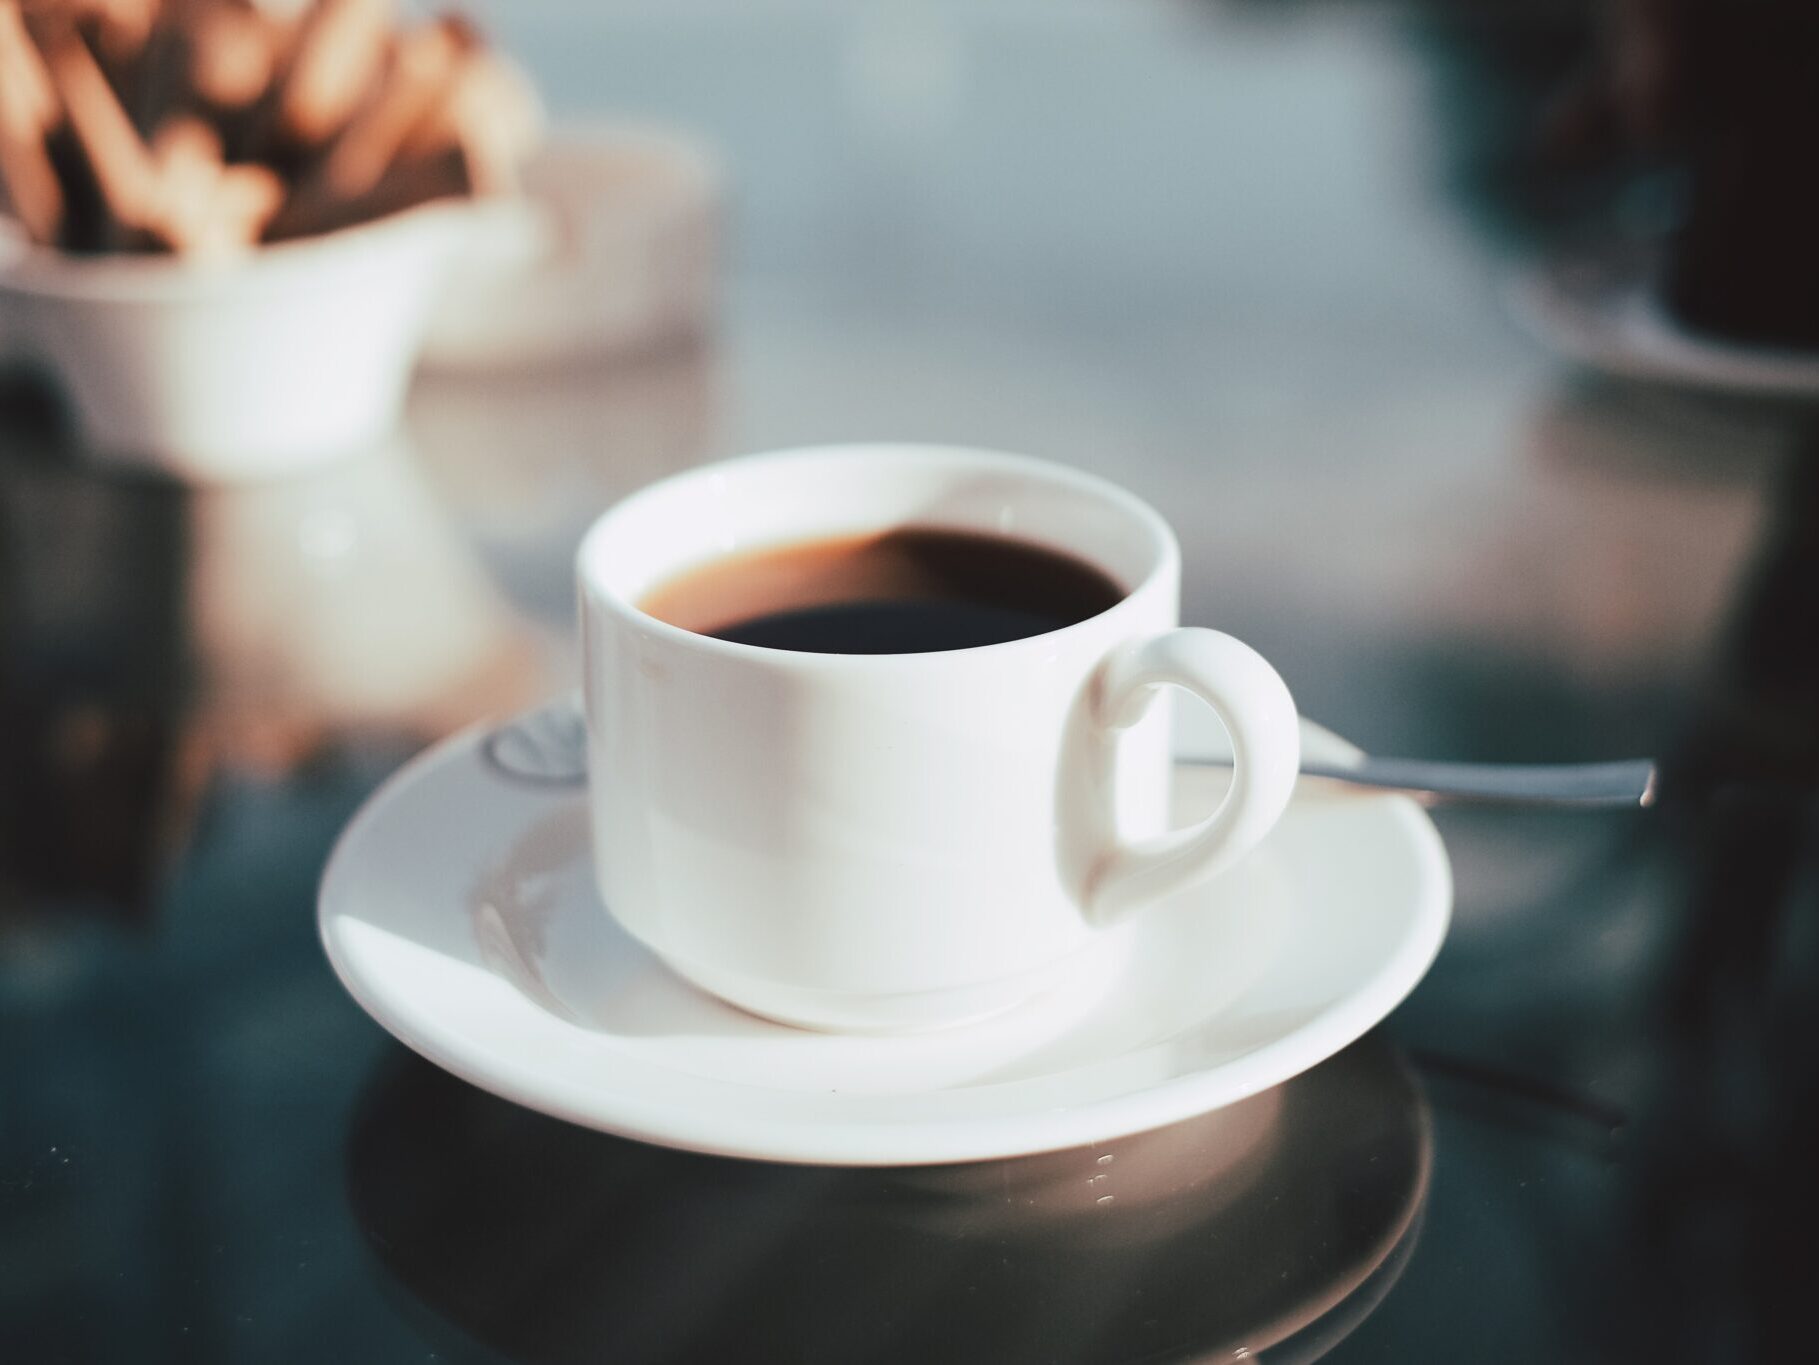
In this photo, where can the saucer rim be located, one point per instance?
(896, 1142)
(1623, 329)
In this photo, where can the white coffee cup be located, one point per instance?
(903, 841)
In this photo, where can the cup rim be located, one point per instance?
(1166, 562)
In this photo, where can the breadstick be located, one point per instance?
(187, 153)
(491, 114)
(120, 30)
(27, 85)
(232, 52)
(243, 201)
(424, 63)
(207, 207)
(115, 154)
(28, 183)
(28, 111)
(338, 51)
(247, 198)
(186, 138)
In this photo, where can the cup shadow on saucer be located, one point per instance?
(512, 909)
(1279, 1222)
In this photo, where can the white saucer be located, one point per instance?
(459, 911)
(1601, 306)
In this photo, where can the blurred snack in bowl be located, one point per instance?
(289, 125)
(447, 119)
(422, 66)
(236, 220)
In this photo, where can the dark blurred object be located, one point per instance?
(1756, 724)
(1728, 90)
(1728, 1210)
(151, 637)
(1483, 86)
(97, 775)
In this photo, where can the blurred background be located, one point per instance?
(1296, 272)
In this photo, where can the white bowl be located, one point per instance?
(245, 368)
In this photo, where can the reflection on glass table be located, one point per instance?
(152, 638)
(1276, 1223)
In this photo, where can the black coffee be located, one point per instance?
(910, 591)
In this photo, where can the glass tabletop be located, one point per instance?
(1252, 260)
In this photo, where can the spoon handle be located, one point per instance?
(1628, 783)
(549, 746)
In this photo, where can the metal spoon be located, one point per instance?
(549, 746)
(1626, 783)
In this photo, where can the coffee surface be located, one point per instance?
(909, 591)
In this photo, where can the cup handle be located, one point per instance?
(1254, 705)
